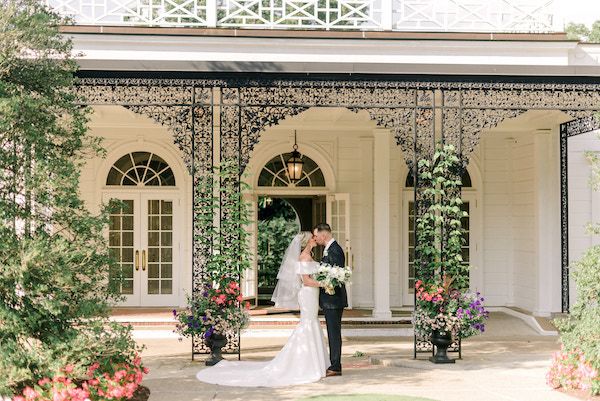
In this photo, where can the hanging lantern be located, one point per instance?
(295, 163)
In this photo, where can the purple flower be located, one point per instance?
(174, 312)
(209, 332)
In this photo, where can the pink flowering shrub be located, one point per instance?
(117, 383)
(577, 365)
(572, 371)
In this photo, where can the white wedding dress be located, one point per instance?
(303, 359)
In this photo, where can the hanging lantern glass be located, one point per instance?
(295, 163)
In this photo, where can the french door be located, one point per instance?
(469, 247)
(338, 216)
(143, 237)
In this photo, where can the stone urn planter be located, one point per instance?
(215, 342)
(441, 343)
(141, 394)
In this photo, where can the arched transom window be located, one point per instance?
(141, 169)
(465, 179)
(275, 173)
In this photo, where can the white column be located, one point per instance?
(387, 11)
(547, 230)
(211, 13)
(510, 252)
(381, 223)
(362, 236)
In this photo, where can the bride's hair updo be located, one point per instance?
(306, 236)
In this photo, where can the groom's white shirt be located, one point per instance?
(331, 241)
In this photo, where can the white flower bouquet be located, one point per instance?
(332, 276)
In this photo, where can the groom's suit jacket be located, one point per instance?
(339, 300)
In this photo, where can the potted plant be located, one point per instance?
(216, 308)
(444, 314)
(444, 309)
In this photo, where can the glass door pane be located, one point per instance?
(160, 247)
(121, 247)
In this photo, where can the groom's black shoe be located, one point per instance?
(330, 373)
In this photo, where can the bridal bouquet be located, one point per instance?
(332, 276)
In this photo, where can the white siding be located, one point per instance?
(523, 224)
(497, 236)
(582, 200)
(124, 131)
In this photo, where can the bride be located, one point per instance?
(303, 359)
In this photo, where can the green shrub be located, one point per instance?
(580, 331)
(54, 297)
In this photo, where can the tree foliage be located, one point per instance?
(53, 256)
(277, 225)
(583, 33)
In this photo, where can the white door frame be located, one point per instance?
(470, 195)
(141, 196)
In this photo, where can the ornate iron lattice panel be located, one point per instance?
(409, 109)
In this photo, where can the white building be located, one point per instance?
(172, 82)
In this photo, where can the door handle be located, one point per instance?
(144, 260)
(137, 260)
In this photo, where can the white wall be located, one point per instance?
(523, 224)
(497, 236)
(124, 131)
(344, 140)
(584, 203)
(522, 214)
(511, 160)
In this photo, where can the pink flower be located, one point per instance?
(30, 393)
(44, 381)
(68, 369)
(137, 361)
(120, 374)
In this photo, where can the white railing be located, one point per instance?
(382, 15)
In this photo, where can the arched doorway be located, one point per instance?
(144, 233)
(285, 207)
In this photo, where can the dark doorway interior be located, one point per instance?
(279, 219)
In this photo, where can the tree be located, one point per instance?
(54, 295)
(583, 33)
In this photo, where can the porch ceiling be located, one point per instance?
(452, 56)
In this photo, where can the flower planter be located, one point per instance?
(441, 343)
(215, 342)
(141, 394)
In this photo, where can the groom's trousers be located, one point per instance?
(333, 319)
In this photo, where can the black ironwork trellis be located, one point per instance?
(567, 130)
(245, 106)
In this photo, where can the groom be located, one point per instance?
(332, 305)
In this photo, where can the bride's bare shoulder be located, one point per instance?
(305, 258)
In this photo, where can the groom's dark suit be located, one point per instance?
(333, 307)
